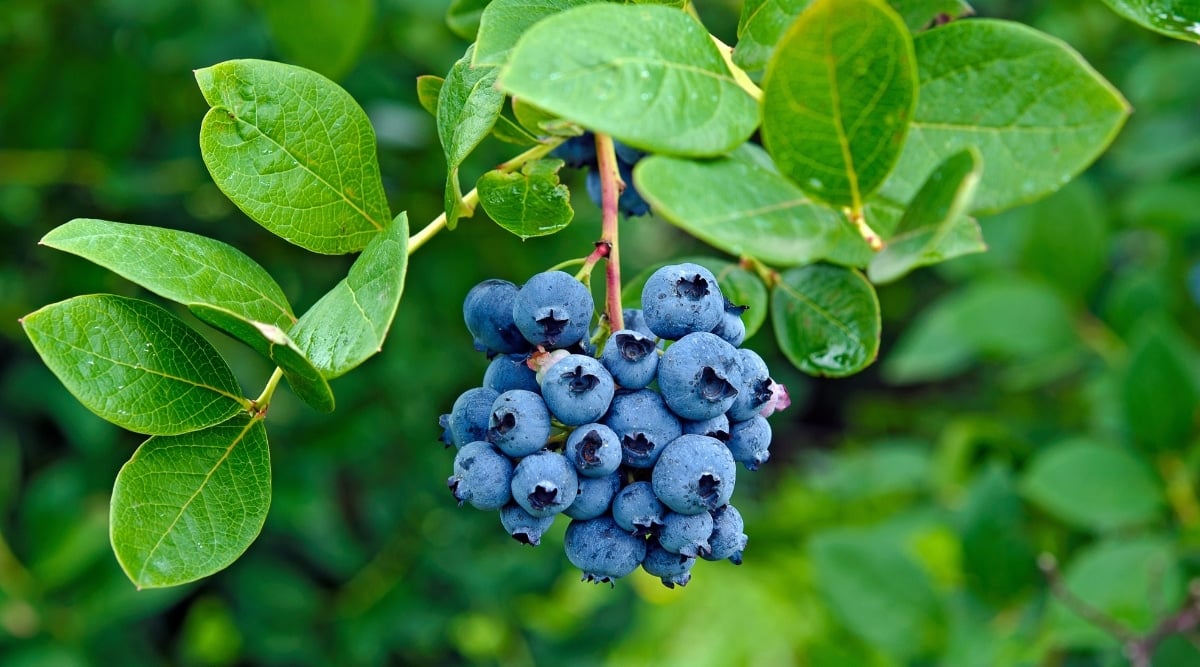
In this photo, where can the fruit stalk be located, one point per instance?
(610, 192)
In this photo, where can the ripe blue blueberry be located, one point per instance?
(578, 151)
(727, 539)
(686, 534)
(636, 509)
(749, 442)
(602, 550)
(519, 423)
(635, 320)
(753, 385)
(523, 526)
(631, 358)
(630, 201)
(679, 299)
(643, 424)
(482, 476)
(697, 376)
(509, 371)
(488, 311)
(577, 389)
(695, 474)
(731, 327)
(468, 420)
(545, 483)
(672, 568)
(553, 310)
(717, 427)
(595, 496)
(594, 449)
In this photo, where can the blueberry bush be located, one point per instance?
(1010, 481)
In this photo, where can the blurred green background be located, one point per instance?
(1039, 398)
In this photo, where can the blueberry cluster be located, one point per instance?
(579, 152)
(637, 444)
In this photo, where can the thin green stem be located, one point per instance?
(471, 199)
(610, 192)
(259, 405)
(567, 264)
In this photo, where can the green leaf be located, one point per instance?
(322, 36)
(1174, 18)
(826, 319)
(468, 105)
(295, 152)
(1033, 137)
(504, 21)
(542, 122)
(186, 506)
(991, 513)
(746, 209)
(429, 87)
(1132, 580)
(349, 324)
(918, 14)
(510, 132)
(1158, 393)
(462, 17)
(530, 203)
(934, 227)
(1093, 486)
(883, 469)
(1048, 232)
(741, 287)
(838, 96)
(760, 26)
(135, 364)
(648, 75)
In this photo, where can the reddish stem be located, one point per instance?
(610, 192)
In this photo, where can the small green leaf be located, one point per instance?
(741, 287)
(746, 209)
(183, 267)
(934, 227)
(1158, 393)
(760, 26)
(468, 106)
(542, 122)
(295, 152)
(349, 324)
(1174, 18)
(186, 506)
(510, 132)
(462, 17)
(1033, 137)
(826, 319)
(648, 75)
(530, 203)
(918, 14)
(322, 36)
(1093, 486)
(504, 21)
(428, 89)
(135, 364)
(838, 96)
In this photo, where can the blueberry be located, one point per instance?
(697, 376)
(577, 151)
(672, 568)
(643, 424)
(602, 550)
(523, 526)
(544, 483)
(695, 474)
(488, 311)
(468, 420)
(727, 539)
(553, 310)
(731, 327)
(631, 358)
(753, 386)
(630, 202)
(636, 509)
(635, 320)
(627, 154)
(749, 440)
(594, 450)
(482, 476)
(686, 534)
(519, 423)
(679, 299)
(509, 371)
(577, 389)
(595, 496)
(717, 427)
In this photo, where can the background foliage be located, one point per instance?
(1038, 398)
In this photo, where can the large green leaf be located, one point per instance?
(349, 324)
(1093, 486)
(323, 36)
(747, 209)
(648, 75)
(838, 95)
(760, 26)
(295, 152)
(1175, 18)
(1033, 137)
(826, 319)
(135, 364)
(529, 203)
(469, 103)
(504, 21)
(934, 227)
(186, 506)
